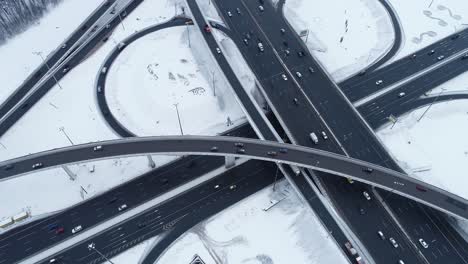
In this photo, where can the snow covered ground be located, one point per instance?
(345, 35)
(425, 22)
(18, 60)
(245, 233)
(160, 72)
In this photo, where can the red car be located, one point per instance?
(59, 230)
(207, 29)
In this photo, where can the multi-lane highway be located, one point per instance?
(361, 86)
(195, 204)
(404, 97)
(264, 27)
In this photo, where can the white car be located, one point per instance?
(232, 187)
(324, 135)
(394, 243)
(261, 8)
(379, 82)
(366, 194)
(216, 186)
(97, 148)
(284, 77)
(229, 13)
(77, 229)
(298, 74)
(400, 95)
(218, 51)
(381, 235)
(37, 165)
(423, 243)
(260, 47)
(122, 207)
(441, 57)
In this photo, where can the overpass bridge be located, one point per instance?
(320, 160)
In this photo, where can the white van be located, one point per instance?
(314, 138)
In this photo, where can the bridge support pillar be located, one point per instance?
(69, 172)
(151, 162)
(229, 162)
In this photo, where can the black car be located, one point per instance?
(368, 170)
(362, 211)
(214, 149)
(112, 200)
(8, 167)
(300, 53)
(164, 181)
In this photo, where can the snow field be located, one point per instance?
(344, 35)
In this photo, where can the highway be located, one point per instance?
(196, 204)
(52, 59)
(266, 131)
(359, 87)
(379, 109)
(281, 93)
(332, 107)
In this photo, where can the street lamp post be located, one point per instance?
(188, 35)
(276, 176)
(429, 107)
(66, 135)
(178, 117)
(121, 22)
(92, 246)
(214, 85)
(39, 53)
